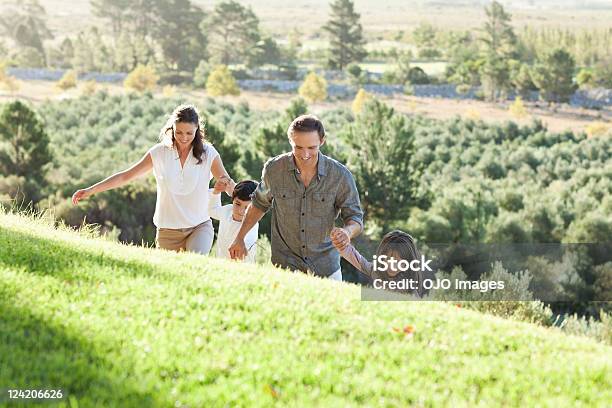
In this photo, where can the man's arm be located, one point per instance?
(348, 202)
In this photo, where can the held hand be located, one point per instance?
(229, 188)
(79, 195)
(220, 186)
(340, 238)
(238, 250)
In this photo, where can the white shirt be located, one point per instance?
(228, 229)
(182, 192)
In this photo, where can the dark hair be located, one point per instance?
(186, 114)
(244, 189)
(306, 123)
(401, 245)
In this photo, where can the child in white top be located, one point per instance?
(230, 217)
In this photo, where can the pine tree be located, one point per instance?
(24, 151)
(500, 47)
(554, 76)
(345, 35)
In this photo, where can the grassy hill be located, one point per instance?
(114, 325)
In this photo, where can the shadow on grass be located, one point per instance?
(45, 256)
(36, 354)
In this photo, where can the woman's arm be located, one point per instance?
(140, 168)
(218, 171)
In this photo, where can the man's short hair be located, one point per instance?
(306, 123)
(244, 190)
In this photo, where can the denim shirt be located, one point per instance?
(302, 218)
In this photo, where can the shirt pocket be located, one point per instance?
(286, 202)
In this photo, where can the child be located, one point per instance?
(230, 217)
(395, 244)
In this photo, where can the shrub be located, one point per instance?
(68, 81)
(221, 82)
(517, 108)
(314, 88)
(142, 78)
(360, 99)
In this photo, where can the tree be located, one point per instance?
(356, 75)
(500, 47)
(603, 73)
(177, 32)
(271, 139)
(497, 33)
(115, 11)
(91, 53)
(201, 73)
(386, 139)
(29, 57)
(26, 24)
(425, 39)
(345, 35)
(553, 75)
(24, 148)
(266, 52)
(221, 82)
(233, 33)
(142, 78)
(585, 78)
(495, 77)
(521, 80)
(314, 88)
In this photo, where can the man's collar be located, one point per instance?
(321, 164)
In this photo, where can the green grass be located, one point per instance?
(115, 325)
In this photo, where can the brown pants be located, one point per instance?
(195, 239)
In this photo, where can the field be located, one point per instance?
(557, 120)
(114, 325)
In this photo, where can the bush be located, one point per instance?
(69, 80)
(517, 109)
(221, 82)
(142, 78)
(314, 88)
(360, 99)
(201, 74)
(89, 88)
(501, 303)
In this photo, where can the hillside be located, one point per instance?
(115, 325)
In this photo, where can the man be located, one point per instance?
(306, 191)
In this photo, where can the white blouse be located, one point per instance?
(182, 192)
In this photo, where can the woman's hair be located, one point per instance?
(401, 245)
(185, 114)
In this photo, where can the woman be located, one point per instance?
(183, 165)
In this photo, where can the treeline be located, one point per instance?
(174, 36)
(183, 43)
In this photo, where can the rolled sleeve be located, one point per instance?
(262, 196)
(348, 201)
